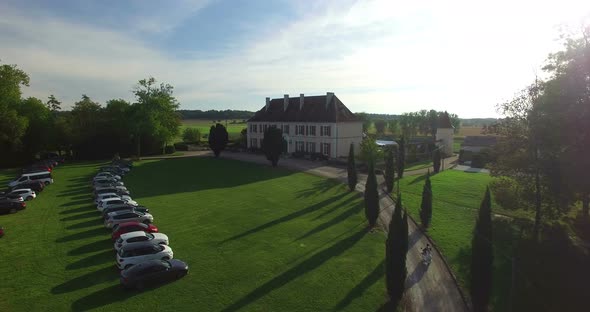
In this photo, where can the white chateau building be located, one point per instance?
(310, 124)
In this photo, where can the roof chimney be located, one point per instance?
(301, 100)
(329, 96)
(267, 103)
(285, 102)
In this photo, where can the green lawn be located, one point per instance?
(456, 199)
(204, 126)
(419, 165)
(255, 238)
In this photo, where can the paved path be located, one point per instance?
(431, 288)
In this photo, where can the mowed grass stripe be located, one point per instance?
(256, 238)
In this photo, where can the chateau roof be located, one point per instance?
(315, 109)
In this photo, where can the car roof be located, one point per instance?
(131, 223)
(140, 245)
(22, 189)
(107, 200)
(133, 234)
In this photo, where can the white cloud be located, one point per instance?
(378, 56)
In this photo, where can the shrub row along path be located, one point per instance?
(431, 288)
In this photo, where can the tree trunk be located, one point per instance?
(586, 204)
(537, 228)
(138, 146)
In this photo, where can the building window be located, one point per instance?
(326, 147)
(299, 146)
(286, 129)
(299, 130)
(312, 130)
(265, 127)
(325, 130)
(254, 143)
(310, 147)
(253, 128)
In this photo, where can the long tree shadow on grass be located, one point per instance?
(353, 196)
(76, 202)
(109, 295)
(318, 187)
(84, 215)
(85, 224)
(92, 260)
(102, 244)
(373, 277)
(302, 268)
(196, 174)
(82, 235)
(79, 209)
(104, 275)
(80, 190)
(418, 179)
(353, 210)
(287, 218)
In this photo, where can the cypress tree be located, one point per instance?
(436, 160)
(482, 256)
(371, 197)
(426, 205)
(389, 170)
(401, 158)
(395, 255)
(352, 175)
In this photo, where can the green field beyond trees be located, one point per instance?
(233, 129)
(255, 238)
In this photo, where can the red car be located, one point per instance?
(127, 227)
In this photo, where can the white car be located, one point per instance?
(107, 175)
(26, 194)
(109, 181)
(141, 252)
(127, 216)
(106, 203)
(100, 187)
(138, 237)
(105, 196)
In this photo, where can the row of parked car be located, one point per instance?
(142, 253)
(31, 181)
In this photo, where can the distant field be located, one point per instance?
(204, 126)
(465, 131)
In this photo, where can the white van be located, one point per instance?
(43, 176)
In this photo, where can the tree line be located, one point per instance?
(90, 130)
(424, 122)
(213, 114)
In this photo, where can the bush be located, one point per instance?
(169, 149)
(191, 135)
(506, 192)
(181, 146)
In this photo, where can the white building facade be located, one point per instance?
(316, 124)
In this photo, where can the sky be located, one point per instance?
(386, 56)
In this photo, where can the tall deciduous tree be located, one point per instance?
(371, 197)
(380, 126)
(38, 134)
(389, 169)
(218, 139)
(426, 204)
(436, 160)
(12, 125)
(395, 254)
(352, 174)
(482, 257)
(53, 104)
(154, 112)
(401, 157)
(272, 144)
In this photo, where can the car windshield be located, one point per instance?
(149, 236)
(167, 264)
